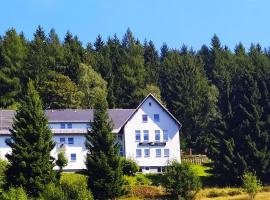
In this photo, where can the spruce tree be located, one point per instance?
(103, 161)
(31, 165)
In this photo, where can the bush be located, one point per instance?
(14, 193)
(3, 167)
(181, 181)
(147, 191)
(53, 192)
(75, 187)
(130, 167)
(251, 184)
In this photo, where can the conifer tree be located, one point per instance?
(103, 161)
(31, 165)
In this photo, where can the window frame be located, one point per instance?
(147, 155)
(156, 119)
(69, 125)
(168, 152)
(71, 139)
(138, 155)
(139, 134)
(72, 156)
(167, 132)
(157, 153)
(146, 132)
(144, 118)
(62, 126)
(62, 138)
(157, 132)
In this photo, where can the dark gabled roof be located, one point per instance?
(118, 116)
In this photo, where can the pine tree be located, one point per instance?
(12, 57)
(103, 161)
(31, 165)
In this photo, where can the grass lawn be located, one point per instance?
(201, 170)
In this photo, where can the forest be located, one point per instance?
(221, 96)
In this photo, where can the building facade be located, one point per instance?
(148, 134)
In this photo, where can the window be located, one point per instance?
(159, 169)
(144, 118)
(69, 125)
(165, 135)
(63, 126)
(166, 152)
(156, 117)
(121, 151)
(157, 135)
(150, 104)
(73, 157)
(138, 135)
(158, 152)
(88, 125)
(145, 135)
(70, 140)
(120, 138)
(62, 140)
(146, 152)
(138, 153)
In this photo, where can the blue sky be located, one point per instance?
(176, 22)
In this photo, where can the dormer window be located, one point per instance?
(144, 118)
(156, 117)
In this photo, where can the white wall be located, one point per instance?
(165, 123)
(78, 148)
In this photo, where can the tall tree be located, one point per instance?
(13, 54)
(37, 60)
(102, 160)
(31, 165)
(188, 95)
(59, 92)
(90, 83)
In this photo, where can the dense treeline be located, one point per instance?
(222, 97)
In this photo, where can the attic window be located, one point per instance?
(150, 104)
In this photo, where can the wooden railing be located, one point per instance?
(195, 159)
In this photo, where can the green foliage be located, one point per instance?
(58, 91)
(31, 165)
(74, 186)
(103, 163)
(14, 193)
(181, 181)
(61, 162)
(251, 184)
(130, 167)
(3, 168)
(53, 192)
(90, 83)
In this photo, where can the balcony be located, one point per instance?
(153, 143)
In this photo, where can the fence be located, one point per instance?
(195, 159)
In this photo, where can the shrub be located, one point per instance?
(53, 192)
(141, 179)
(251, 184)
(147, 191)
(75, 187)
(3, 167)
(130, 167)
(14, 193)
(181, 181)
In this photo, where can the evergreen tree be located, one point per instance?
(151, 63)
(12, 55)
(37, 60)
(31, 165)
(103, 162)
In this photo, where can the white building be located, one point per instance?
(149, 134)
